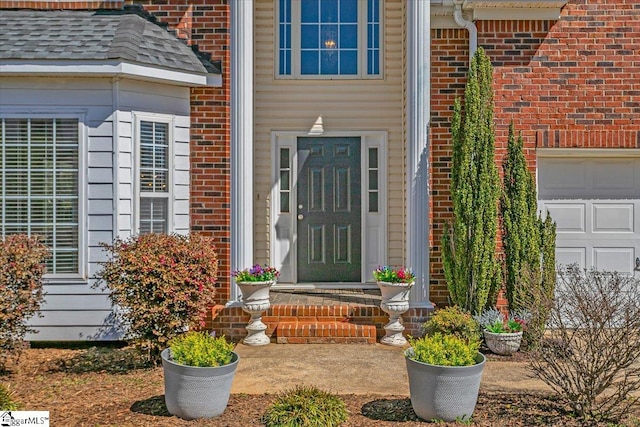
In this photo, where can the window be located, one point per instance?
(39, 185)
(154, 177)
(335, 38)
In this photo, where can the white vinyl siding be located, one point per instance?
(106, 112)
(347, 107)
(40, 182)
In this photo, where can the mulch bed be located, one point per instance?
(111, 386)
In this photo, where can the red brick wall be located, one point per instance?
(571, 83)
(205, 23)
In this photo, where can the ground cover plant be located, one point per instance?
(306, 406)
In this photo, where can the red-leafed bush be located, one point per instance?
(163, 284)
(21, 269)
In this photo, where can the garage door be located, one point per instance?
(596, 204)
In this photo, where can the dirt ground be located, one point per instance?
(110, 386)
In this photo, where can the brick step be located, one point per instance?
(324, 332)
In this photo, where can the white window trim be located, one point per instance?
(374, 224)
(139, 117)
(295, 46)
(80, 115)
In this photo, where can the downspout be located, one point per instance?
(469, 25)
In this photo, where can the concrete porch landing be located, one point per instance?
(326, 297)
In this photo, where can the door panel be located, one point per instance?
(329, 210)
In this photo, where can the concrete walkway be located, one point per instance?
(352, 369)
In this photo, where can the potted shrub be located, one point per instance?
(198, 373)
(254, 284)
(395, 286)
(445, 370)
(501, 334)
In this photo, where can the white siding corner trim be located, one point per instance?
(283, 225)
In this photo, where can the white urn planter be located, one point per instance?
(395, 302)
(192, 392)
(255, 300)
(504, 344)
(446, 393)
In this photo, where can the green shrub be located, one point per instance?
(164, 283)
(6, 400)
(200, 349)
(453, 321)
(22, 259)
(306, 407)
(444, 350)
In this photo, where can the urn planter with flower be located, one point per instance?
(395, 286)
(198, 374)
(503, 335)
(254, 284)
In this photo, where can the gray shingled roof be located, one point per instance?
(95, 35)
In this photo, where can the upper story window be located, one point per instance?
(154, 167)
(39, 186)
(332, 38)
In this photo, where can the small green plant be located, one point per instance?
(391, 275)
(306, 406)
(200, 349)
(452, 320)
(493, 320)
(164, 283)
(23, 265)
(257, 273)
(6, 400)
(443, 350)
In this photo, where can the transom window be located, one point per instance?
(154, 177)
(39, 185)
(337, 38)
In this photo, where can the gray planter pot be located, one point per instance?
(192, 392)
(505, 344)
(444, 392)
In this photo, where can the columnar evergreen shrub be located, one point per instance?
(471, 267)
(164, 284)
(22, 259)
(528, 240)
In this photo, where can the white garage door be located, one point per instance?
(596, 204)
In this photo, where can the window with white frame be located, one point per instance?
(154, 172)
(333, 38)
(39, 191)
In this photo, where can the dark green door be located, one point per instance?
(329, 214)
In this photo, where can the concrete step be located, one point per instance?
(324, 332)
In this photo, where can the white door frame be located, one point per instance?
(283, 225)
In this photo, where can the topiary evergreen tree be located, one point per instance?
(469, 244)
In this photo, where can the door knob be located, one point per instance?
(638, 263)
(300, 216)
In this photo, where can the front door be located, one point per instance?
(329, 210)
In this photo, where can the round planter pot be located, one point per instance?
(446, 393)
(192, 392)
(395, 302)
(505, 344)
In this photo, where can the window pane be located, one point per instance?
(310, 9)
(349, 62)
(310, 36)
(154, 157)
(373, 179)
(348, 11)
(284, 202)
(373, 202)
(329, 10)
(40, 193)
(329, 62)
(153, 215)
(349, 36)
(373, 158)
(310, 64)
